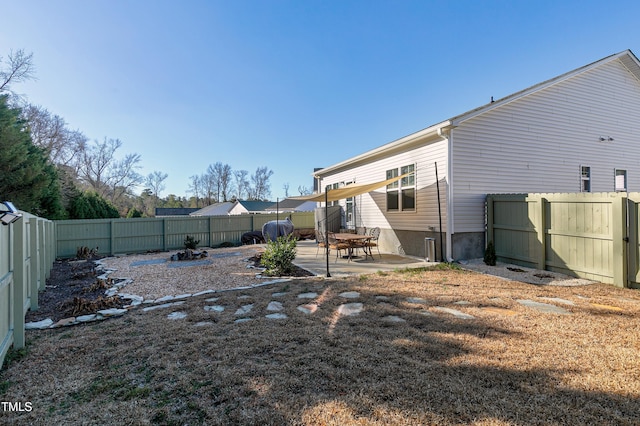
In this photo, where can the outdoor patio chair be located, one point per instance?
(321, 240)
(374, 233)
(337, 246)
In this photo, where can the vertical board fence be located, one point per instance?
(118, 236)
(587, 235)
(27, 253)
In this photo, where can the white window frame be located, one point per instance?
(616, 180)
(401, 187)
(585, 179)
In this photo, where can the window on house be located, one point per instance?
(620, 180)
(585, 178)
(401, 195)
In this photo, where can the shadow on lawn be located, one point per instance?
(307, 369)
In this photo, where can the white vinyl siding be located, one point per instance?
(537, 143)
(371, 208)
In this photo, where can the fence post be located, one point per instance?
(490, 220)
(33, 279)
(112, 238)
(620, 241)
(17, 265)
(541, 230)
(632, 265)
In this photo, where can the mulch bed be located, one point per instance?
(73, 289)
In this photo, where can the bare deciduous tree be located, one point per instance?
(18, 67)
(303, 190)
(155, 182)
(286, 189)
(102, 172)
(195, 188)
(242, 183)
(260, 186)
(50, 132)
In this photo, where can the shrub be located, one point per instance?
(190, 243)
(278, 256)
(490, 254)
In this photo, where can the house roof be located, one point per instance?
(216, 209)
(254, 206)
(626, 57)
(291, 204)
(174, 211)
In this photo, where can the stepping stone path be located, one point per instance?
(543, 307)
(276, 310)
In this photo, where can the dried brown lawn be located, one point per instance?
(511, 365)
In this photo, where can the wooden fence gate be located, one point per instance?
(587, 235)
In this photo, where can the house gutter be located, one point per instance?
(446, 134)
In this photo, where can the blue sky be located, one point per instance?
(291, 85)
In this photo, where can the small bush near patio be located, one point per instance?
(278, 256)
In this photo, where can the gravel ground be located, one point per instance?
(524, 274)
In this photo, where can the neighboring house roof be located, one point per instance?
(292, 205)
(252, 206)
(216, 209)
(628, 59)
(174, 211)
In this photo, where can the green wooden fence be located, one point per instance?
(587, 235)
(117, 236)
(27, 253)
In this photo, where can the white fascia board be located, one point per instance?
(402, 143)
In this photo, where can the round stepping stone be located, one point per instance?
(393, 318)
(350, 295)
(309, 295)
(212, 299)
(416, 300)
(308, 309)
(176, 315)
(203, 323)
(214, 308)
(244, 296)
(462, 302)
(543, 307)
(278, 315)
(383, 298)
(244, 309)
(280, 294)
(454, 312)
(239, 320)
(349, 309)
(274, 306)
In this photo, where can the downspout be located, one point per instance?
(447, 135)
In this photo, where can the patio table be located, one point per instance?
(354, 241)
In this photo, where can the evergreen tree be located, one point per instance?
(89, 205)
(27, 178)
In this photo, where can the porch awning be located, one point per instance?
(349, 190)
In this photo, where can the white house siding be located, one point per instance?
(538, 143)
(371, 207)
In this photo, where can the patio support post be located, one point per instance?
(326, 227)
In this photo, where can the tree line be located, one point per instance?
(57, 172)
